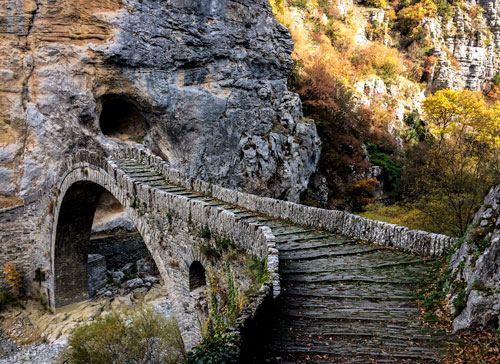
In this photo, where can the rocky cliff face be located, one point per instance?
(204, 80)
(471, 38)
(476, 270)
(465, 47)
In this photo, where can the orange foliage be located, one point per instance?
(378, 59)
(473, 12)
(362, 192)
(319, 88)
(494, 93)
(429, 66)
(13, 278)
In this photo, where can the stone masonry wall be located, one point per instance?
(412, 241)
(16, 243)
(170, 225)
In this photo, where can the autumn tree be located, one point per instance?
(462, 161)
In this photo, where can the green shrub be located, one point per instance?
(206, 233)
(224, 244)
(496, 79)
(417, 131)
(212, 350)
(258, 272)
(434, 300)
(391, 169)
(141, 337)
(431, 318)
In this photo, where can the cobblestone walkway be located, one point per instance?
(342, 301)
(346, 302)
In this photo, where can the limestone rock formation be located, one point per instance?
(467, 46)
(476, 268)
(201, 83)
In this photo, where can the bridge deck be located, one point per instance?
(341, 301)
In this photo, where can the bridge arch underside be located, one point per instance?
(174, 244)
(74, 226)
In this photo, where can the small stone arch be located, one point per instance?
(197, 277)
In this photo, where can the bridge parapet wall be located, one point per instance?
(413, 241)
(257, 240)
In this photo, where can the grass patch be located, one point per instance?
(257, 269)
(206, 233)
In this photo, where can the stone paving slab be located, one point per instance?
(341, 301)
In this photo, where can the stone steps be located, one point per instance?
(341, 301)
(359, 290)
(325, 253)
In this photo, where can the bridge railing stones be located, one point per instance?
(413, 241)
(256, 239)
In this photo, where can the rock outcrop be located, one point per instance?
(476, 269)
(466, 47)
(203, 82)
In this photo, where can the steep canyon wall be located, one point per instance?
(207, 77)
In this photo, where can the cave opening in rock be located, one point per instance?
(121, 119)
(196, 276)
(98, 250)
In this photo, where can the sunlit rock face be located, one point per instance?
(466, 46)
(201, 83)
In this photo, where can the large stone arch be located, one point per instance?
(170, 224)
(73, 209)
(71, 239)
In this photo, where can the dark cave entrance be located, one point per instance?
(98, 250)
(121, 119)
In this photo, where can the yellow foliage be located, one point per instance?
(377, 59)
(462, 114)
(391, 14)
(278, 6)
(417, 12)
(411, 216)
(13, 278)
(464, 160)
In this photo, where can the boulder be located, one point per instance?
(134, 283)
(97, 273)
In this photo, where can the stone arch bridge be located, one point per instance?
(170, 209)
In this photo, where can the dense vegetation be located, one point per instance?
(224, 304)
(436, 167)
(143, 336)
